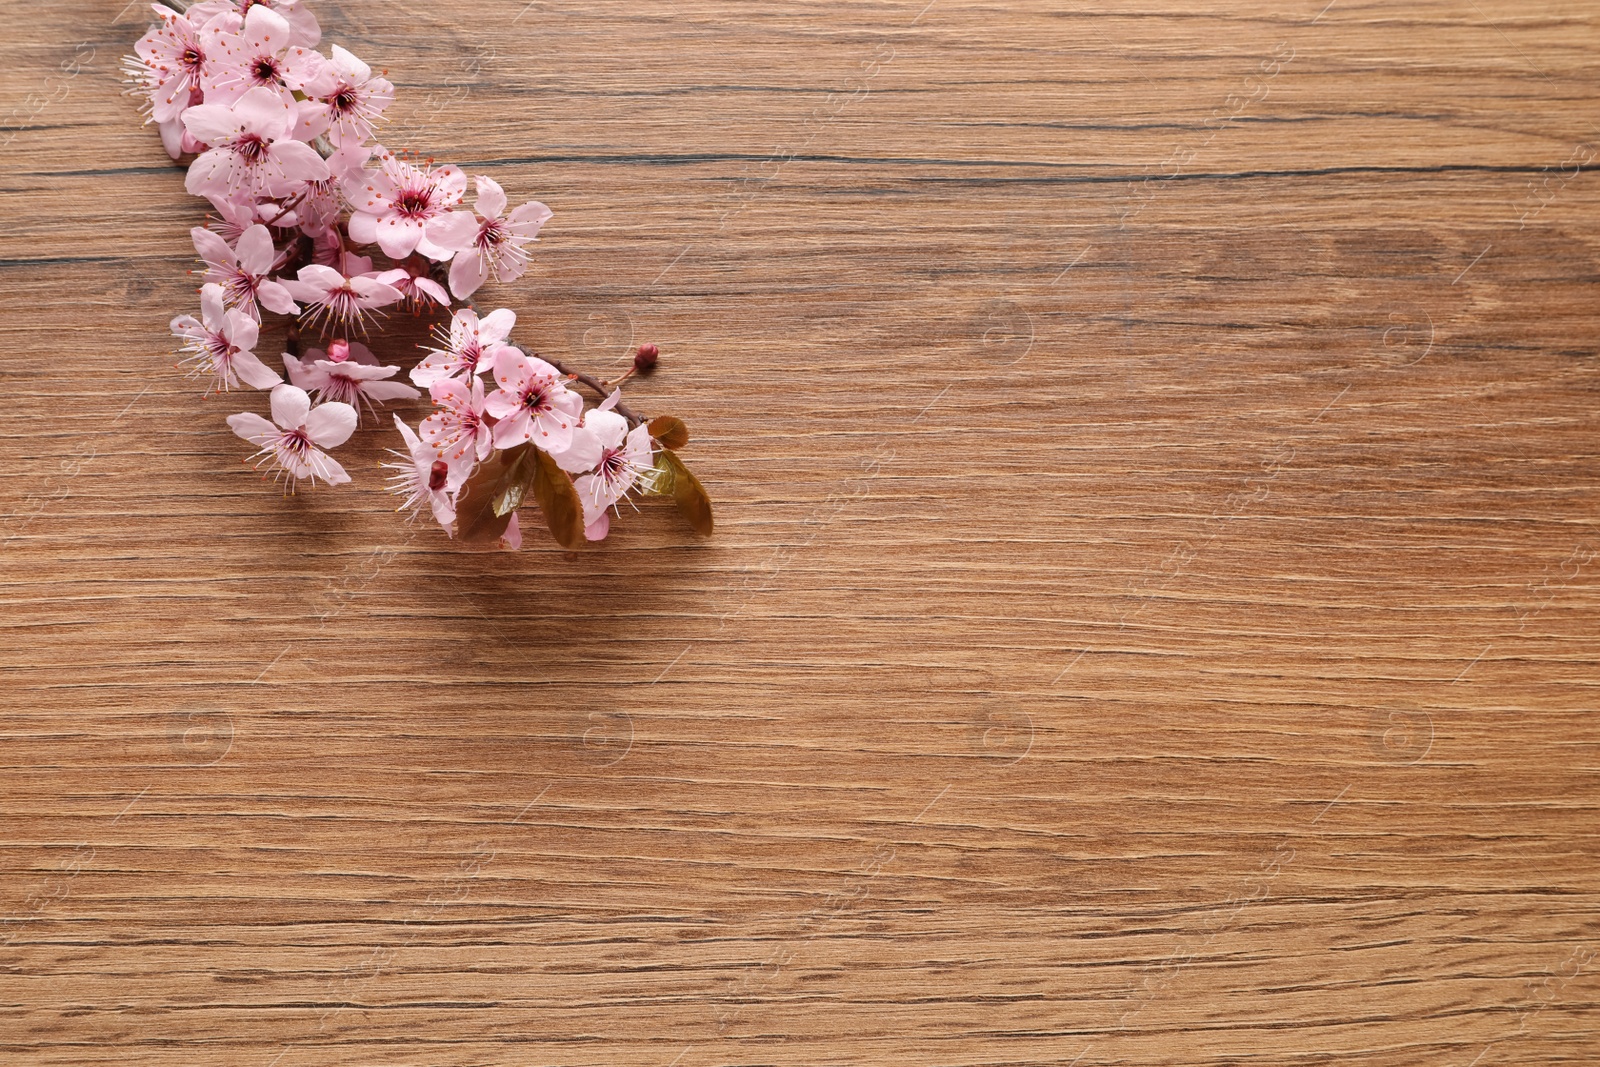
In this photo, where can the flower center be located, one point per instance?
(492, 235)
(192, 59)
(251, 147)
(535, 399)
(241, 286)
(414, 202)
(345, 100)
(295, 443)
(266, 70)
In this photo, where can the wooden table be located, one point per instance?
(1152, 618)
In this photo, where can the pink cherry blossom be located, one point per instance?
(624, 459)
(303, 26)
(421, 477)
(316, 206)
(257, 52)
(233, 217)
(340, 300)
(420, 291)
(220, 344)
(458, 430)
(487, 244)
(169, 64)
(348, 373)
(293, 446)
(346, 100)
(242, 271)
(252, 154)
(532, 403)
(394, 203)
(468, 349)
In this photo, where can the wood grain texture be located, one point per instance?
(1152, 618)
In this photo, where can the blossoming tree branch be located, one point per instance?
(313, 218)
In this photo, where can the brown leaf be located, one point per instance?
(558, 499)
(477, 519)
(688, 494)
(671, 432)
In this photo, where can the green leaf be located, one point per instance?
(558, 499)
(687, 493)
(477, 517)
(671, 432)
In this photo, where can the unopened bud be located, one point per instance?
(645, 359)
(438, 474)
(338, 350)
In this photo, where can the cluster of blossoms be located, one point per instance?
(280, 138)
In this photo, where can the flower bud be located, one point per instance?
(338, 350)
(437, 475)
(644, 360)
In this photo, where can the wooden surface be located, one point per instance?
(1152, 619)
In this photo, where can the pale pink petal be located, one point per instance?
(451, 182)
(413, 445)
(331, 424)
(301, 66)
(491, 202)
(374, 294)
(265, 30)
(511, 429)
(253, 372)
(171, 134)
(212, 248)
(382, 391)
(511, 540)
(326, 467)
(241, 330)
(467, 274)
(581, 455)
(300, 162)
(211, 307)
(349, 66)
(511, 368)
(597, 530)
(454, 230)
(212, 123)
(500, 404)
(253, 428)
(433, 289)
(496, 326)
(398, 237)
(289, 406)
(608, 427)
(322, 277)
(255, 249)
(264, 112)
(527, 219)
(274, 297)
(299, 373)
(213, 172)
(313, 119)
(451, 392)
